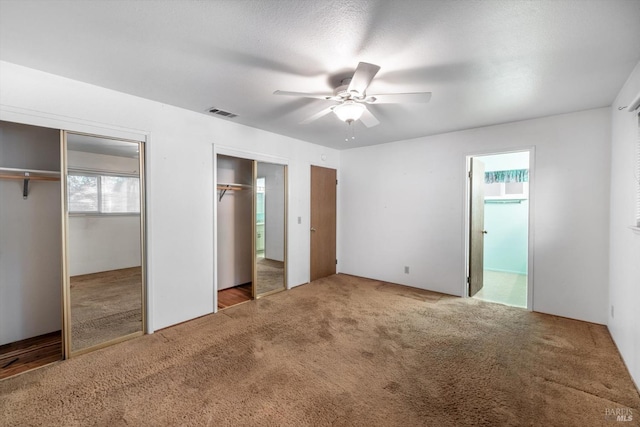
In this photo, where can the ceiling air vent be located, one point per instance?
(219, 112)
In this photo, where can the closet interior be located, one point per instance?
(72, 273)
(30, 248)
(251, 229)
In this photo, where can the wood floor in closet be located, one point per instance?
(232, 296)
(20, 356)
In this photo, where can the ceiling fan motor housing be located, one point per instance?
(342, 91)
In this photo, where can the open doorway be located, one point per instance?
(251, 238)
(499, 228)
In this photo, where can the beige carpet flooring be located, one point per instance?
(105, 306)
(342, 351)
(270, 276)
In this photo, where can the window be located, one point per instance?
(103, 194)
(260, 200)
(507, 184)
(83, 193)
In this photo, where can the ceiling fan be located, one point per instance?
(351, 97)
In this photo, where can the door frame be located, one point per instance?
(467, 216)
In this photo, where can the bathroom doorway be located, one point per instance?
(499, 213)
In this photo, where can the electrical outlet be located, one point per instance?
(406, 269)
(611, 311)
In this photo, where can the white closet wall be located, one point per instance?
(235, 257)
(30, 235)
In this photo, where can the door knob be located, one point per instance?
(313, 229)
(484, 232)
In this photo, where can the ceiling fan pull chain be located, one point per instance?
(349, 127)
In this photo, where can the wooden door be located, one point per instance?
(477, 232)
(323, 222)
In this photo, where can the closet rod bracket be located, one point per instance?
(25, 186)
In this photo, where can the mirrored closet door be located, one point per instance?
(104, 251)
(270, 228)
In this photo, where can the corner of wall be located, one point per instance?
(624, 245)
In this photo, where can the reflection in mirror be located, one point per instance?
(270, 228)
(104, 230)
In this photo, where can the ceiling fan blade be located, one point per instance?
(317, 115)
(368, 119)
(399, 98)
(362, 77)
(325, 96)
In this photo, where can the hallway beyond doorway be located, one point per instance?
(504, 288)
(499, 227)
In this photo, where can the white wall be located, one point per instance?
(180, 193)
(30, 236)
(506, 161)
(624, 274)
(274, 209)
(103, 243)
(402, 205)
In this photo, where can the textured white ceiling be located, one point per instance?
(486, 62)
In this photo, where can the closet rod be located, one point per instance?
(238, 186)
(25, 175)
(14, 171)
(502, 201)
(30, 177)
(233, 187)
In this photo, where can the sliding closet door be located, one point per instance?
(104, 225)
(270, 228)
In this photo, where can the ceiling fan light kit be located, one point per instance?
(349, 111)
(351, 96)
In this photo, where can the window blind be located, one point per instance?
(103, 194)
